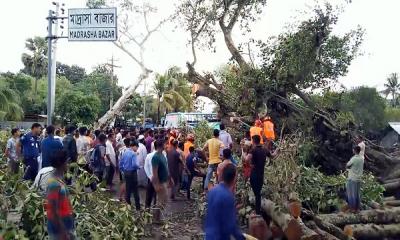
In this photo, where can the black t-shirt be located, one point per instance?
(259, 156)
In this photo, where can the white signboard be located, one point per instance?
(86, 24)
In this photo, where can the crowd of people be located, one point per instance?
(163, 162)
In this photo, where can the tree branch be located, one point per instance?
(146, 37)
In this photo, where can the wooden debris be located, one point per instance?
(292, 227)
(373, 231)
(377, 216)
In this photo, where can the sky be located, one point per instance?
(22, 19)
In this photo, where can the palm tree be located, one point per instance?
(172, 91)
(10, 105)
(35, 62)
(392, 87)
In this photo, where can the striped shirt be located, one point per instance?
(57, 201)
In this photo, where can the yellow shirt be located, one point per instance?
(214, 145)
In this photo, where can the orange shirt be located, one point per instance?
(186, 147)
(269, 130)
(256, 131)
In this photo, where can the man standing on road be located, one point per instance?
(355, 167)
(160, 172)
(257, 158)
(31, 150)
(13, 151)
(149, 140)
(69, 144)
(129, 166)
(49, 146)
(82, 145)
(142, 153)
(111, 161)
(213, 145)
(174, 163)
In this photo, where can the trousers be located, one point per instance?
(131, 181)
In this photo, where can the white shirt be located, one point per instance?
(362, 146)
(142, 153)
(226, 139)
(42, 178)
(82, 145)
(118, 137)
(111, 153)
(148, 169)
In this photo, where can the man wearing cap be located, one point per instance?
(31, 150)
(269, 131)
(142, 153)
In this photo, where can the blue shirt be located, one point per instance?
(30, 146)
(190, 164)
(128, 161)
(221, 215)
(49, 146)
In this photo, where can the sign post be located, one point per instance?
(86, 24)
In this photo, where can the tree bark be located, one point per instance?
(376, 216)
(292, 227)
(325, 235)
(390, 187)
(392, 203)
(373, 231)
(116, 109)
(326, 226)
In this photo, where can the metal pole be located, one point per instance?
(144, 104)
(112, 83)
(54, 63)
(49, 82)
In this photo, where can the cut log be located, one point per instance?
(392, 203)
(391, 186)
(391, 198)
(373, 231)
(325, 235)
(326, 226)
(376, 216)
(391, 180)
(292, 227)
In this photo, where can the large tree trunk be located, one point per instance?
(326, 226)
(119, 105)
(290, 226)
(376, 216)
(373, 231)
(391, 186)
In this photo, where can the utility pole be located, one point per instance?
(52, 18)
(49, 62)
(112, 65)
(144, 103)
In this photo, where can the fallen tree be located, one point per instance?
(376, 216)
(293, 228)
(373, 231)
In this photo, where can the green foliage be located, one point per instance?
(10, 103)
(362, 106)
(392, 114)
(99, 83)
(173, 92)
(73, 73)
(202, 132)
(35, 61)
(392, 87)
(320, 193)
(97, 215)
(76, 107)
